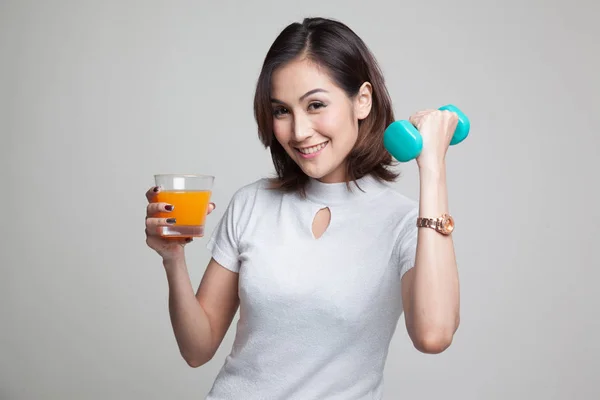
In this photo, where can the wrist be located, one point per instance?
(174, 260)
(433, 192)
(432, 173)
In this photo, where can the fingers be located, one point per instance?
(416, 118)
(447, 119)
(153, 225)
(163, 248)
(155, 208)
(424, 112)
(211, 207)
(152, 192)
(451, 117)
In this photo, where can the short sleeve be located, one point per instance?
(224, 240)
(406, 242)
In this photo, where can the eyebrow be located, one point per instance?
(317, 90)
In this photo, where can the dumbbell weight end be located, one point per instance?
(403, 140)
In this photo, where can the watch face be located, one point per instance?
(447, 224)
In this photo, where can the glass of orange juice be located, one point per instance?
(190, 195)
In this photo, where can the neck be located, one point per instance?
(335, 193)
(336, 176)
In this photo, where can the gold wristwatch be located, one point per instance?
(443, 224)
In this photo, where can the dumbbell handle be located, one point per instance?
(404, 142)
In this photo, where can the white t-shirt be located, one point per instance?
(316, 315)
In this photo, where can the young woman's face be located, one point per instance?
(314, 120)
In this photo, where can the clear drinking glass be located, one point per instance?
(190, 195)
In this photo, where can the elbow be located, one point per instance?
(433, 337)
(432, 344)
(195, 361)
(434, 341)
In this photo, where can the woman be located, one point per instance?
(323, 259)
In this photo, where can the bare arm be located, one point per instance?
(430, 290)
(200, 321)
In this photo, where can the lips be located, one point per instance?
(312, 150)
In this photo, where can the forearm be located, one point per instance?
(435, 289)
(190, 323)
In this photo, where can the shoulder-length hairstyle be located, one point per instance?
(335, 47)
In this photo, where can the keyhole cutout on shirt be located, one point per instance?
(321, 222)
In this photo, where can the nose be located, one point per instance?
(302, 129)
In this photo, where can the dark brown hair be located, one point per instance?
(335, 47)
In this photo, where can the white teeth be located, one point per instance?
(314, 149)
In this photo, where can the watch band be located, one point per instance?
(443, 224)
(423, 222)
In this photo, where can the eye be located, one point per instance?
(316, 105)
(279, 111)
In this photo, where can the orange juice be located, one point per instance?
(189, 210)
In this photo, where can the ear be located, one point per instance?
(363, 101)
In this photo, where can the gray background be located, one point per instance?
(96, 97)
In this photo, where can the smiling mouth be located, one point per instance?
(313, 150)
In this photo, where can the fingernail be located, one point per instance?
(156, 188)
(170, 220)
(169, 208)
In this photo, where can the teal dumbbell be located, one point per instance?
(404, 142)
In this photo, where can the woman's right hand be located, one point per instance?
(167, 248)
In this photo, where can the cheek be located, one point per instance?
(281, 129)
(337, 126)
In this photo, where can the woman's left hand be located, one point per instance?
(437, 128)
